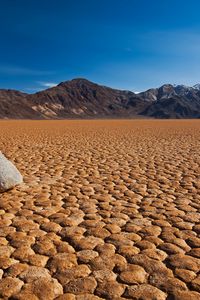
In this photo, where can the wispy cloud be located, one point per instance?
(47, 84)
(179, 42)
(16, 70)
(128, 49)
(40, 85)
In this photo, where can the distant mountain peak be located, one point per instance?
(77, 80)
(80, 79)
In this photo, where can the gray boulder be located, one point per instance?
(9, 175)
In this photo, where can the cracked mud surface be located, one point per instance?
(108, 210)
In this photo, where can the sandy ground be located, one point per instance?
(108, 210)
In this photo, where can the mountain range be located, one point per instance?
(80, 98)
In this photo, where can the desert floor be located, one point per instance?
(107, 210)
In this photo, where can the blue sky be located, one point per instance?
(125, 44)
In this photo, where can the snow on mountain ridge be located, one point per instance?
(197, 86)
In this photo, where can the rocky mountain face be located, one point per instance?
(80, 98)
(170, 101)
(15, 105)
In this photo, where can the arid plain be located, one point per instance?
(109, 209)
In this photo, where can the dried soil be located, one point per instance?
(109, 209)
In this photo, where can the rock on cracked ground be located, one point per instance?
(108, 210)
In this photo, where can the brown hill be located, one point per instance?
(16, 105)
(82, 98)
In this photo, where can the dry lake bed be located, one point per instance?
(109, 209)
